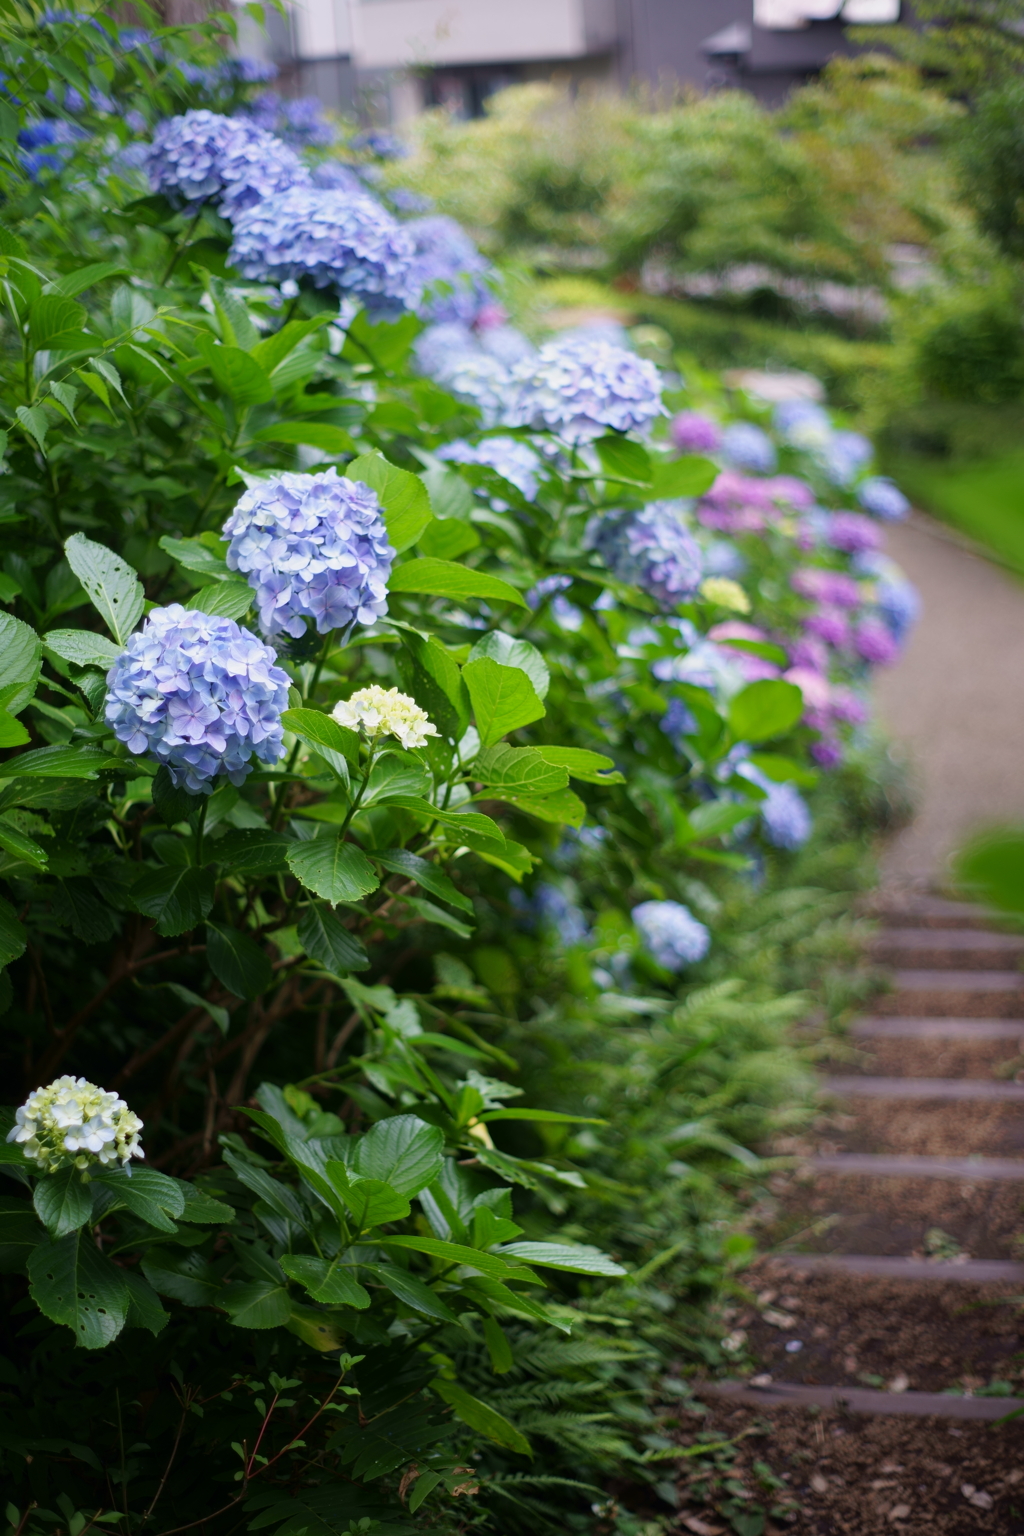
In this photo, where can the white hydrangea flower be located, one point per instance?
(71, 1122)
(385, 712)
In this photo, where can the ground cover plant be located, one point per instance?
(410, 738)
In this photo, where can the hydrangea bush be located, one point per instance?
(555, 663)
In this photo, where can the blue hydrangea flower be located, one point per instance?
(199, 695)
(507, 344)
(299, 121)
(47, 144)
(580, 388)
(450, 269)
(555, 911)
(746, 447)
(844, 456)
(671, 933)
(313, 547)
(516, 462)
(883, 498)
(336, 176)
(202, 157)
(784, 811)
(339, 240)
(546, 587)
(897, 599)
(652, 549)
(802, 424)
(377, 141)
(678, 722)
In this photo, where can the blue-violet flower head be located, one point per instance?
(516, 462)
(671, 933)
(203, 157)
(747, 447)
(883, 498)
(652, 549)
(580, 388)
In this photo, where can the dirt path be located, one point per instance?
(956, 699)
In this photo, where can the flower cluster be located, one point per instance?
(199, 695)
(784, 811)
(883, 498)
(72, 1123)
(671, 933)
(515, 461)
(314, 548)
(652, 549)
(450, 270)
(340, 240)
(579, 388)
(202, 157)
(691, 432)
(297, 120)
(745, 446)
(381, 711)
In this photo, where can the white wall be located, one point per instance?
(322, 29)
(392, 34)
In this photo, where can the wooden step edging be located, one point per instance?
(899, 1027)
(887, 1267)
(786, 1394)
(879, 1165)
(921, 1088)
(919, 979)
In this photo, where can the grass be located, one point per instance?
(984, 498)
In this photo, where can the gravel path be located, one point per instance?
(955, 701)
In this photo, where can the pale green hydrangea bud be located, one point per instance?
(72, 1123)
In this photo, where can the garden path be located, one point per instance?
(955, 700)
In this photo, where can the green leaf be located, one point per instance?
(147, 1193)
(226, 599)
(469, 827)
(991, 867)
(237, 961)
(370, 1201)
(393, 775)
(688, 476)
(63, 1203)
(273, 350)
(481, 1417)
(338, 746)
(21, 660)
(317, 434)
(82, 648)
(443, 578)
(402, 495)
(186, 1276)
(498, 1346)
(447, 538)
(510, 652)
(547, 1116)
(765, 709)
(784, 770)
(35, 422)
(111, 585)
(53, 320)
(577, 1259)
(74, 283)
(144, 1309)
(402, 1151)
(717, 817)
(326, 1281)
(72, 1283)
(236, 374)
(325, 938)
(332, 868)
(451, 1253)
(431, 913)
(588, 767)
(20, 846)
(434, 680)
(561, 809)
(400, 861)
(220, 1016)
(503, 699)
(256, 1303)
(62, 762)
(520, 770)
(20, 1232)
(12, 732)
(252, 851)
(176, 897)
(413, 1291)
(385, 343)
(203, 555)
(13, 937)
(622, 459)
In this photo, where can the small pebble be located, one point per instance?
(794, 1346)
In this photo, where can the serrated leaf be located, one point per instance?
(72, 1283)
(111, 585)
(20, 846)
(62, 762)
(199, 555)
(62, 1202)
(444, 578)
(576, 1258)
(503, 699)
(370, 1201)
(672, 478)
(622, 459)
(336, 744)
(252, 851)
(451, 1253)
(35, 422)
(82, 648)
(326, 1281)
(430, 912)
(256, 1303)
(21, 660)
(521, 770)
(400, 861)
(147, 1193)
(412, 1291)
(237, 961)
(402, 1151)
(402, 495)
(588, 767)
(481, 1417)
(183, 1274)
(144, 1308)
(563, 808)
(325, 938)
(224, 599)
(393, 775)
(236, 373)
(332, 868)
(13, 938)
(176, 897)
(765, 709)
(510, 652)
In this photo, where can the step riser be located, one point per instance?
(912, 1028)
(934, 958)
(863, 1400)
(974, 1272)
(922, 1088)
(952, 1003)
(876, 1165)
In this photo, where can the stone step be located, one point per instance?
(863, 1400)
(954, 994)
(879, 1165)
(872, 1025)
(947, 950)
(881, 1266)
(921, 1088)
(934, 912)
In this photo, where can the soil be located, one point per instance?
(847, 1474)
(855, 1330)
(927, 1128)
(928, 1058)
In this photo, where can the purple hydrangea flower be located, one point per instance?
(580, 388)
(203, 157)
(450, 269)
(745, 446)
(678, 722)
(546, 587)
(852, 532)
(671, 933)
(199, 695)
(784, 811)
(516, 462)
(693, 433)
(829, 624)
(313, 547)
(299, 121)
(823, 586)
(652, 549)
(339, 240)
(875, 641)
(883, 498)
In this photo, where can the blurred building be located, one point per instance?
(389, 59)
